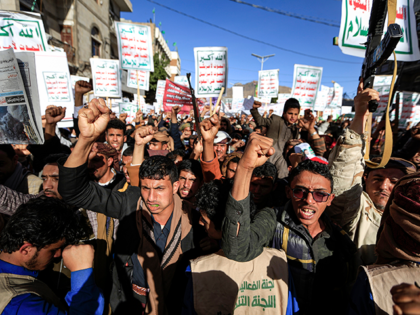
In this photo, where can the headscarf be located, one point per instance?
(399, 235)
(183, 126)
(109, 151)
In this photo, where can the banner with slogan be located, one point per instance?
(283, 97)
(321, 99)
(237, 92)
(22, 31)
(130, 109)
(135, 46)
(382, 84)
(408, 111)
(106, 77)
(182, 80)
(160, 89)
(52, 72)
(355, 15)
(211, 70)
(337, 98)
(177, 95)
(143, 79)
(306, 82)
(268, 83)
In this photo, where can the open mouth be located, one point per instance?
(185, 192)
(306, 213)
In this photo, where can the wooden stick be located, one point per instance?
(107, 102)
(218, 101)
(211, 106)
(138, 89)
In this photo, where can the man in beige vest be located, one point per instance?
(39, 231)
(398, 251)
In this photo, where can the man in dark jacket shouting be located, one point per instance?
(155, 235)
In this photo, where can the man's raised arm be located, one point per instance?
(243, 241)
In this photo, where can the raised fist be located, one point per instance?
(82, 87)
(256, 104)
(176, 109)
(209, 128)
(257, 151)
(144, 134)
(78, 257)
(54, 114)
(93, 119)
(123, 117)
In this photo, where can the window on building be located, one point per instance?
(96, 42)
(67, 35)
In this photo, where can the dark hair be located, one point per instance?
(128, 152)
(227, 121)
(234, 160)
(53, 158)
(8, 149)
(313, 167)
(192, 166)
(258, 127)
(291, 103)
(116, 124)
(237, 136)
(128, 125)
(157, 167)
(212, 198)
(41, 222)
(266, 170)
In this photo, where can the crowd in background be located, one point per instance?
(217, 214)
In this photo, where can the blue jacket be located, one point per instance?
(83, 298)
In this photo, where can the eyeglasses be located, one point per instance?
(319, 196)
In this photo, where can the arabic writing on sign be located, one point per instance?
(306, 81)
(135, 46)
(142, 77)
(21, 33)
(268, 83)
(106, 77)
(57, 85)
(211, 70)
(260, 300)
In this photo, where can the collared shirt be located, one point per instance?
(83, 298)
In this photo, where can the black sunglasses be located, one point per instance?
(302, 193)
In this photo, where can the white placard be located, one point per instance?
(355, 15)
(135, 44)
(22, 31)
(75, 78)
(54, 84)
(268, 83)
(237, 92)
(306, 82)
(160, 89)
(182, 80)
(211, 70)
(106, 77)
(143, 79)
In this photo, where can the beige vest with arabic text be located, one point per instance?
(223, 286)
(383, 277)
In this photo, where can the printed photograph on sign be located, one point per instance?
(143, 79)
(106, 77)
(58, 86)
(22, 31)
(135, 46)
(210, 70)
(355, 15)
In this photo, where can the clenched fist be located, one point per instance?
(257, 151)
(144, 134)
(78, 257)
(54, 114)
(93, 120)
(209, 128)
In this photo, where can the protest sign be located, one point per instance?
(53, 78)
(130, 109)
(382, 85)
(268, 83)
(337, 99)
(177, 95)
(135, 46)
(237, 92)
(143, 79)
(182, 80)
(306, 82)
(408, 111)
(345, 109)
(355, 15)
(237, 104)
(75, 78)
(248, 103)
(19, 123)
(160, 89)
(22, 31)
(321, 99)
(228, 104)
(283, 97)
(211, 70)
(106, 77)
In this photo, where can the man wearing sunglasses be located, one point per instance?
(358, 208)
(317, 251)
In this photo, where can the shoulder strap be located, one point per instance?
(12, 285)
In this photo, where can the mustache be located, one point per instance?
(50, 191)
(376, 193)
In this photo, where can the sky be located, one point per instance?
(286, 32)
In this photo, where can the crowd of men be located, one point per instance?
(176, 214)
